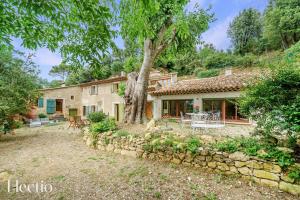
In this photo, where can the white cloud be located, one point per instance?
(217, 34)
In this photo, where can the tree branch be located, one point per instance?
(165, 44)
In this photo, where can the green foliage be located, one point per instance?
(281, 24)
(81, 30)
(108, 124)
(18, 84)
(95, 117)
(62, 70)
(245, 31)
(274, 102)
(208, 73)
(284, 159)
(192, 144)
(121, 133)
(294, 174)
(131, 64)
(42, 115)
(121, 90)
(55, 83)
(230, 146)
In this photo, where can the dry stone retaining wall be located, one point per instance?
(260, 171)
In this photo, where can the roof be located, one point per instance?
(234, 82)
(55, 88)
(108, 80)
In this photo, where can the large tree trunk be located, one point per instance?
(136, 93)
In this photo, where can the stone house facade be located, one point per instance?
(167, 97)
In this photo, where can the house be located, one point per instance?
(82, 99)
(215, 94)
(167, 97)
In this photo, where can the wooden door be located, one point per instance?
(149, 113)
(117, 117)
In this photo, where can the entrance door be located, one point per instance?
(117, 112)
(149, 113)
(59, 105)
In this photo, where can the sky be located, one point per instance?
(225, 11)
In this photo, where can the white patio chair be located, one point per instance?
(184, 120)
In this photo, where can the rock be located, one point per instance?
(269, 183)
(208, 158)
(89, 142)
(150, 125)
(110, 147)
(129, 153)
(272, 168)
(176, 161)
(265, 175)
(233, 169)
(223, 166)
(262, 152)
(218, 158)
(254, 164)
(240, 156)
(288, 187)
(240, 164)
(285, 149)
(245, 171)
(212, 164)
(286, 178)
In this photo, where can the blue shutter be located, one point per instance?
(51, 106)
(40, 102)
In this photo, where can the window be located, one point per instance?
(72, 97)
(115, 87)
(93, 108)
(93, 90)
(84, 110)
(174, 107)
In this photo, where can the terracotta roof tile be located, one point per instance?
(234, 82)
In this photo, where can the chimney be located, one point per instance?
(173, 78)
(228, 71)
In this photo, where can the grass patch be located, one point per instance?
(59, 178)
(140, 172)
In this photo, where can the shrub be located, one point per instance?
(208, 73)
(121, 90)
(121, 133)
(284, 159)
(295, 174)
(192, 144)
(108, 124)
(95, 117)
(230, 146)
(42, 115)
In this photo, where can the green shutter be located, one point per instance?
(51, 106)
(40, 102)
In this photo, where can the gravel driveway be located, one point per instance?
(56, 155)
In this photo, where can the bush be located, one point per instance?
(42, 115)
(108, 124)
(208, 73)
(294, 174)
(121, 90)
(121, 133)
(230, 146)
(95, 117)
(192, 144)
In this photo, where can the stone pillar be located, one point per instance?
(157, 108)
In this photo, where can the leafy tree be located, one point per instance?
(245, 31)
(157, 26)
(274, 100)
(18, 85)
(281, 23)
(62, 70)
(55, 83)
(80, 29)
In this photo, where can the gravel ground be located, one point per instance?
(58, 156)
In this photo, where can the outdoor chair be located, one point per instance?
(206, 120)
(35, 123)
(184, 120)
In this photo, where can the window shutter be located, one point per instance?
(40, 102)
(97, 89)
(51, 106)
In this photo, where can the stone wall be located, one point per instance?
(252, 168)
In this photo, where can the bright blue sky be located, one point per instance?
(225, 11)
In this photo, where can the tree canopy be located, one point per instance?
(81, 30)
(245, 31)
(18, 84)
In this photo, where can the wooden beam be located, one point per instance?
(223, 110)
